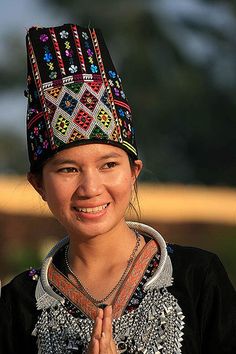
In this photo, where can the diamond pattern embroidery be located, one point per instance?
(95, 86)
(54, 91)
(89, 100)
(62, 124)
(75, 135)
(98, 133)
(83, 119)
(104, 117)
(68, 103)
(75, 87)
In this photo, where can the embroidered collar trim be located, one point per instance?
(131, 282)
(46, 296)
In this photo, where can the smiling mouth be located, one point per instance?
(92, 210)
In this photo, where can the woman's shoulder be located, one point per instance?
(193, 260)
(18, 314)
(196, 266)
(189, 254)
(22, 285)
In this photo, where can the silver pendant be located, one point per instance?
(121, 346)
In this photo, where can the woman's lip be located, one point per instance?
(81, 215)
(92, 209)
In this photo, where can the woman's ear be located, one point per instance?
(136, 169)
(37, 183)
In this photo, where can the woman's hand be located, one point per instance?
(101, 340)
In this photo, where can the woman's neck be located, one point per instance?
(102, 251)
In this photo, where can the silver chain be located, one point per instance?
(97, 302)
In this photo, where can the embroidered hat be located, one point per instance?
(75, 95)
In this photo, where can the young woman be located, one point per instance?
(110, 286)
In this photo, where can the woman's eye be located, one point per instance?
(110, 165)
(68, 170)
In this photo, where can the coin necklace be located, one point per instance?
(101, 302)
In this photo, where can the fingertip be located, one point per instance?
(108, 310)
(99, 313)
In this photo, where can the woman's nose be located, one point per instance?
(90, 185)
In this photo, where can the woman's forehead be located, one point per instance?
(89, 151)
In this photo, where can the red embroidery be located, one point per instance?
(72, 293)
(133, 278)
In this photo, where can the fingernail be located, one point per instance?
(103, 334)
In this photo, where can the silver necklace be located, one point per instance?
(101, 302)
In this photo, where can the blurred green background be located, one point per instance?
(177, 60)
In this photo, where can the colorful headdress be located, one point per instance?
(74, 93)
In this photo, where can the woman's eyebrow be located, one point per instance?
(63, 161)
(110, 155)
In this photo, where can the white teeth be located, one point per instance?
(92, 210)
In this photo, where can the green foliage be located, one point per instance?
(12, 67)
(13, 154)
(22, 259)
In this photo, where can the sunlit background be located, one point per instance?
(177, 60)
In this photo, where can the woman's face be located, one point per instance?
(88, 187)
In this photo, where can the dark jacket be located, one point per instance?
(201, 286)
